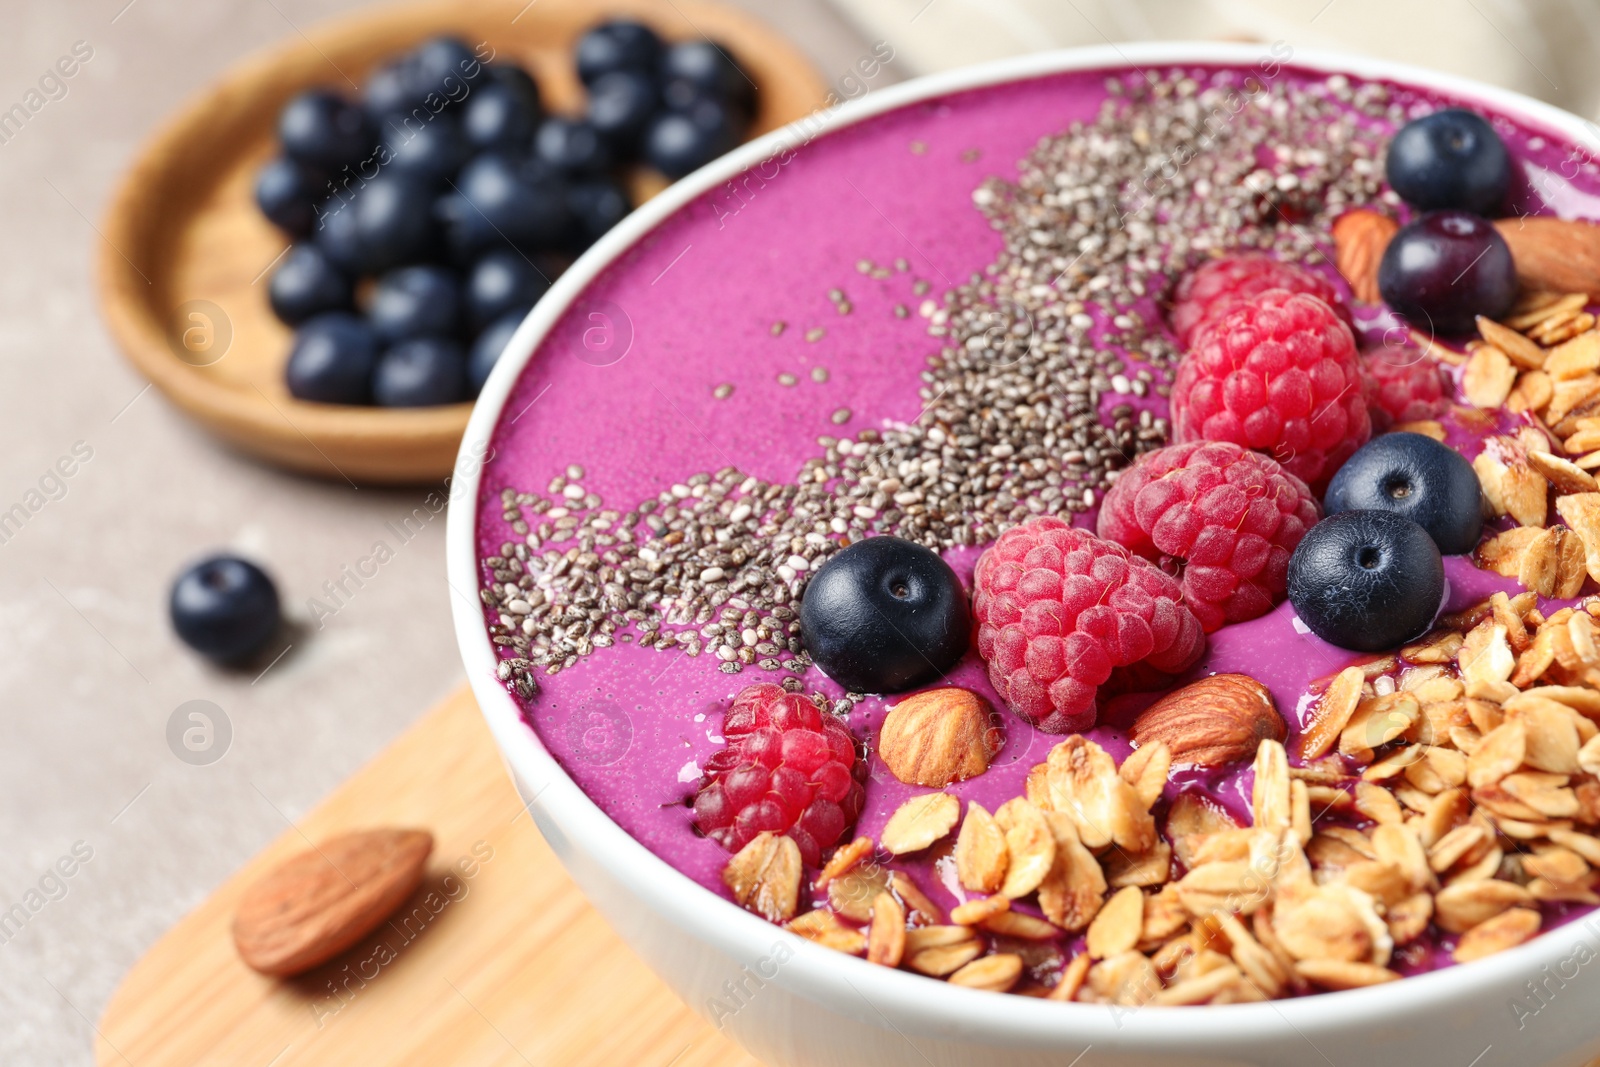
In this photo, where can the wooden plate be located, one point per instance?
(186, 257)
(509, 966)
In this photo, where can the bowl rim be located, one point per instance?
(886, 996)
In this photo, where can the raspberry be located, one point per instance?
(1062, 613)
(1279, 375)
(788, 768)
(1220, 284)
(1402, 385)
(1229, 517)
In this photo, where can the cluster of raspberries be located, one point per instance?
(1269, 400)
(1062, 613)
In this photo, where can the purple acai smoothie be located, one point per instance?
(738, 367)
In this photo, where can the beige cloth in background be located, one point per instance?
(1544, 48)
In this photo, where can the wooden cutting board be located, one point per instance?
(509, 966)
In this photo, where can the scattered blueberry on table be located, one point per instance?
(445, 176)
(226, 608)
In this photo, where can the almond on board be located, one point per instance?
(318, 903)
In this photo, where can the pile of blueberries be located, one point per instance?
(1448, 264)
(449, 185)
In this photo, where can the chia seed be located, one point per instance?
(1033, 395)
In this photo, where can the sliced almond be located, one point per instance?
(975, 912)
(1460, 906)
(1521, 351)
(1020, 925)
(996, 973)
(844, 858)
(1269, 795)
(1332, 713)
(1150, 868)
(1146, 770)
(919, 822)
(823, 927)
(1343, 974)
(851, 894)
(1083, 783)
(886, 937)
(940, 960)
(1488, 378)
(1506, 930)
(980, 852)
(1116, 928)
(1581, 512)
(1525, 493)
(1071, 894)
(1072, 976)
(1128, 980)
(1575, 358)
(1566, 476)
(1030, 846)
(1200, 989)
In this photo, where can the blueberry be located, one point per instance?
(678, 142)
(571, 146)
(1418, 478)
(617, 45)
(287, 194)
(519, 83)
(430, 150)
(1449, 159)
(225, 608)
(307, 283)
(389, 89)
(415, 302)
(488, 346)
(884, 615)
(445, 68)
(335, 234)
(620, 106)
(1442, 270)
(321, 129)
(596, 206)
(502, 280)
(421, 372)
(394, 223)
(706, 68)
(1368, 581)
(332, 360)
(500, 200)
(498, 116)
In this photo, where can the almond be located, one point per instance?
(1559, 255)
(939, 736)
(1217, 720)
(1359, 238)
(320, 902)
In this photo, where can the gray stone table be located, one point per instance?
(89, 671)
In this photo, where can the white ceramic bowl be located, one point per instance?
(793, 1003)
